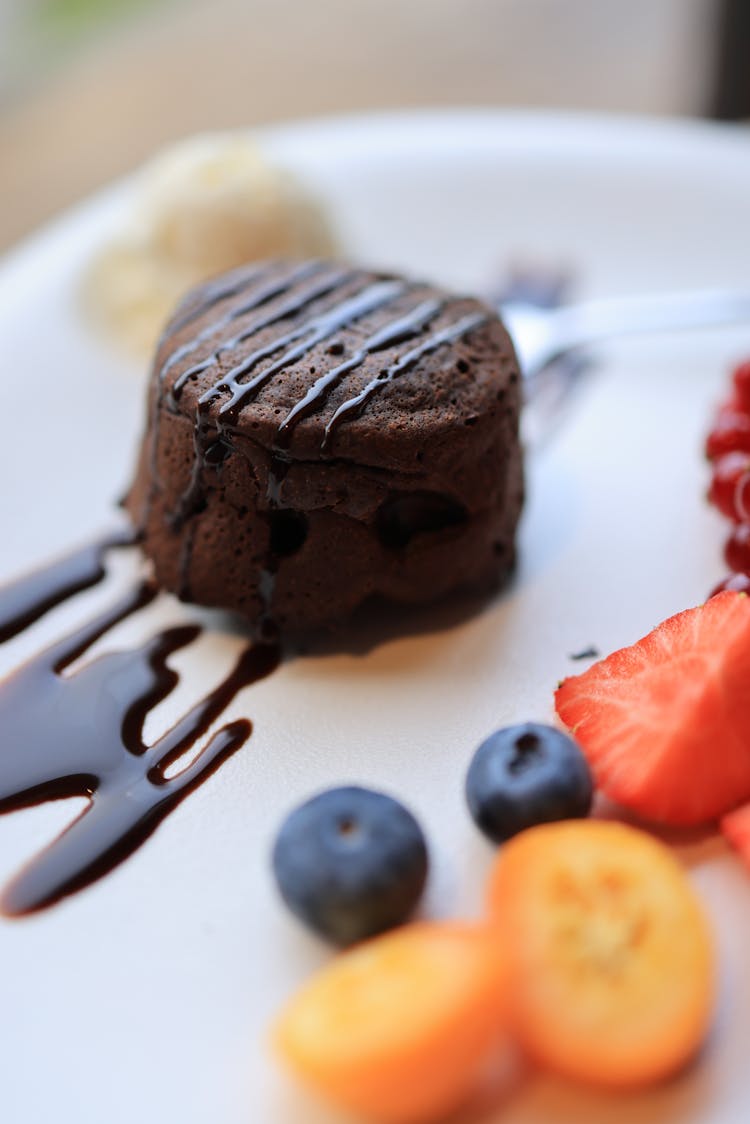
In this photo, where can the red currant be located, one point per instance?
(737, 549)
(740, 583)
(741, 380)
(731, 432)
(730, 486)
(732, 405)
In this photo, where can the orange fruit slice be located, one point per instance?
(398, 1028)
(609, 952)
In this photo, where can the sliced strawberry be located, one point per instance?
(665, 724)
(735, 827)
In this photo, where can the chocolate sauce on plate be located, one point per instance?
(30, 597)
(78, 730)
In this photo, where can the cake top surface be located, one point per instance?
(318, 357)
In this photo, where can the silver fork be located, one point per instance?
(543, 335)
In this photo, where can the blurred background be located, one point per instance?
(89, 88)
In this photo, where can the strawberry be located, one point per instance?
(665, 724)
(735, 827)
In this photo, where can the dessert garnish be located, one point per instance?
(610, 959)
(731, 427)
(399, 1028)
(741, 385)
(737, 549)
(80, 732)
(350, 863)
(665, 723)
(729, 491)
(596, 959)
(730, 433)
(525, 775)
(729, 450)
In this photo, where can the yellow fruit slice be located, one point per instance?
(610, 955)
(398, 1028)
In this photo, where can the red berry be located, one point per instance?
(741, 380)
(665, 724)
(738, 583)
(731, 432)
(737, 549)
(732, 404)
(730, 486)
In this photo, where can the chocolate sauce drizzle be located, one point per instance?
(328, 284)
(30, 597)
(214, 428)
(80, 732)
(397, 331)
(217, 294)
(406, 362)
(313, 332)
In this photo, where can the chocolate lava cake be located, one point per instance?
(319, 435)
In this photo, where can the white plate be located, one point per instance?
(147, 997)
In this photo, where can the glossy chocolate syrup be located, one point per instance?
(242, 382)
(309, 333)
(394, 333)
(329, 282)
(218, 294)
(30, 597)
(79, 732)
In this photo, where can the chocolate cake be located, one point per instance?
(319, 435)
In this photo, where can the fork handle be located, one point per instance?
(590, 321)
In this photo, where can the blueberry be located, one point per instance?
(350, 863)
(525, 775)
